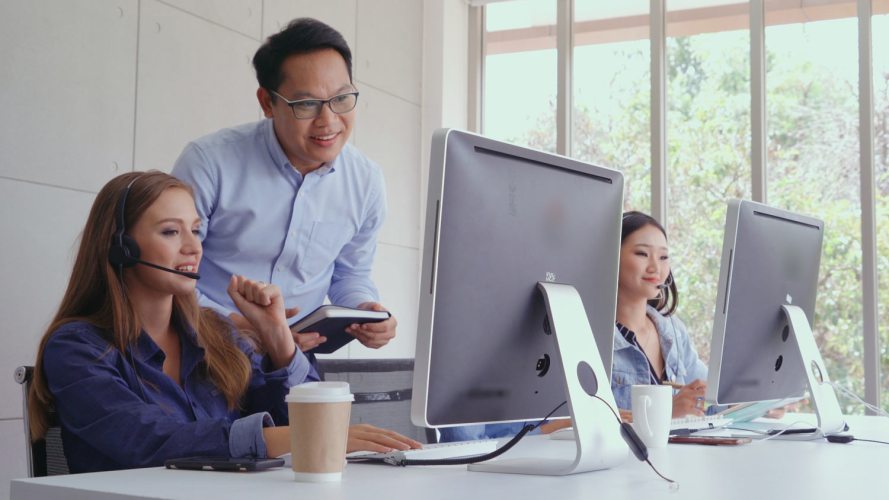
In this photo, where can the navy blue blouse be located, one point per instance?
(121, 411)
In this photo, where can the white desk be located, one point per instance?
(772, 469)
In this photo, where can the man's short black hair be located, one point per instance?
(301, 36)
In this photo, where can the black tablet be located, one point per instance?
(223, 463)
(331, 322)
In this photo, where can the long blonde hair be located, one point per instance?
(95, 295)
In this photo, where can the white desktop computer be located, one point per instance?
(763, 347)
(518, 294)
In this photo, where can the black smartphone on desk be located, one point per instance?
(223, 463)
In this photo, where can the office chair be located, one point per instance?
(382, 389)
(46, 457)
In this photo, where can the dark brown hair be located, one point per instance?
(96, 295)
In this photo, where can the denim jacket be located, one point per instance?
(630, 365)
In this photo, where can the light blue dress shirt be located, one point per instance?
(630, 366)
(312, 236)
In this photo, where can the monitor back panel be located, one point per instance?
(771, 257)
(501, 219)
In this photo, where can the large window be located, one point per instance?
(520, 73)
(813, 167)
(708, 147)
(612, 94)
(810, 126)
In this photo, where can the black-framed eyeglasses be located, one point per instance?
(305, 109)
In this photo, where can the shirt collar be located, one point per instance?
(274, 147)
(665, 331)
(191, 353)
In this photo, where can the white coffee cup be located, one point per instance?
(319, 430)
(652, 411)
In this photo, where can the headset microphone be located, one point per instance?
(124, 251)
(194, 276)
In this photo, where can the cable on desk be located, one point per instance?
(476, 459)
(869, 440)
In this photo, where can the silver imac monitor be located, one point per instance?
(500, 219)
(762, 346)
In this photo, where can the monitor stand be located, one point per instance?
(824, 399)
(597, 432)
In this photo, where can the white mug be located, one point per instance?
(652, 411)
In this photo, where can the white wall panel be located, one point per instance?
(194, 78)
(40, 227)
(395, 274)
(12, 442)
(339, 14)
(390, 46)
(244, 16)
(68, 70)
(388, 132)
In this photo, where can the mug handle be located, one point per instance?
(647, 403)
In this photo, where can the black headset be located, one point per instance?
(124, 251)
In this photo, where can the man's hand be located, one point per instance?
(374, 335)
(306, 341)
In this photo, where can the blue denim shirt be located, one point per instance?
(121, 411)
(313, 236)
(630, 365)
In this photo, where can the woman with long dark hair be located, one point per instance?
(138, 372)
(651, 345)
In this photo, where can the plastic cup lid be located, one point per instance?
(320, 392)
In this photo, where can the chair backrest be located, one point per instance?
(46, 457)
(382, 389)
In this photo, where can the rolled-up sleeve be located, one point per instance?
(245, 436)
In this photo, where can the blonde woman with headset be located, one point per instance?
(138, 373)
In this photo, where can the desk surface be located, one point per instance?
(771, 469)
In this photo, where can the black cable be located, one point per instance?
(644, 456)
(870, 441)
(403, 462)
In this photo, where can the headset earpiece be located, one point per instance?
(124, 251)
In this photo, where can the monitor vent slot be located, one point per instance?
(501, 154)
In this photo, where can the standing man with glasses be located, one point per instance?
(286, 200)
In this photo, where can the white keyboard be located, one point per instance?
(433, 451)
(692, 423)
